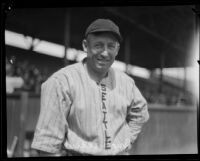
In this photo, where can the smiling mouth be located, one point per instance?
(102, 60)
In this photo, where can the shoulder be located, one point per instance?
(64, 74)
(122, 76)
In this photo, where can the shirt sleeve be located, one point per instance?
(137, 113)
(52, 123)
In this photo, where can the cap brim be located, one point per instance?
(117, 35)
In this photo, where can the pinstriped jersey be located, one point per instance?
(88, 117)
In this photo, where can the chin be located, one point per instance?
(102, 69)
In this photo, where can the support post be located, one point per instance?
(23, 114)
(162, 64)
(67, 24)
(127, 52)
(185, 80)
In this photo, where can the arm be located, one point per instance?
(137, 113)
(52, 125)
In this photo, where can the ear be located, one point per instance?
(118, 47)
(84, 45)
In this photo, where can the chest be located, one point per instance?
(90, 98)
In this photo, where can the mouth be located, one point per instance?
(100, 60)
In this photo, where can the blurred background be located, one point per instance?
(160, 50)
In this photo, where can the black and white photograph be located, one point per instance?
(102, 80)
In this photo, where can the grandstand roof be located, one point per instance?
(156, 32)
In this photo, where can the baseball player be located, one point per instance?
(89, 108)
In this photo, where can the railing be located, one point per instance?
(170, 129)
(22, 114)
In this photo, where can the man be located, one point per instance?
(88, 107)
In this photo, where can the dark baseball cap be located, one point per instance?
(104, 25)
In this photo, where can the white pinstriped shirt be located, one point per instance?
(98, 119)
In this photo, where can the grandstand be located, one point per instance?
(28, 99)
(33, 63)
(172, 128)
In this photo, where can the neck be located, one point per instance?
(95, 75)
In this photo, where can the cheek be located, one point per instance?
(91, 53)
(113, 56)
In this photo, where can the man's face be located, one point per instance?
(101, 48)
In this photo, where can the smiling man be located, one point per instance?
(101, 49)
(89, 108)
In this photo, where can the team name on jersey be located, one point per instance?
(104, 111)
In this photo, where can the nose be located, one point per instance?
(105, 52)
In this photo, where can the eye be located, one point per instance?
(111, 46)
(98, 46)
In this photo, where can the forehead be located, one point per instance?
(102, 36)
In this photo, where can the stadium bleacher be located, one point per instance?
(33, 69)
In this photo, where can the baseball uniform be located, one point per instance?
(88, 117)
